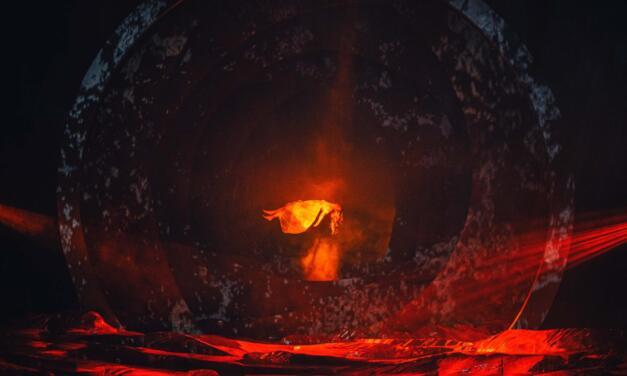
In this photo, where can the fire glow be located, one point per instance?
(322, 259)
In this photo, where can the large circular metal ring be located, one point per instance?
(195, 116)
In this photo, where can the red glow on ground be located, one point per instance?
(511, 352)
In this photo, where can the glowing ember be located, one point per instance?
(322, 259)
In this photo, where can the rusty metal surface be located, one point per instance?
(178, 115)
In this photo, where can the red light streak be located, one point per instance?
(36, 226)
(595, 242)
(593, 236)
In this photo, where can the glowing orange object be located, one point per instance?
(298, 216)
(322, 259)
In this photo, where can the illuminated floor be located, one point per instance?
(63, 345)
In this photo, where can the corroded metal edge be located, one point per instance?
(561, 186)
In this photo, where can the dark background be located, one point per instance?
(580, 51)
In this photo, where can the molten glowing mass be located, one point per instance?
(298, 216)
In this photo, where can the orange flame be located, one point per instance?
(322, 259)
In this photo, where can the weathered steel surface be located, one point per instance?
(194, 117)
